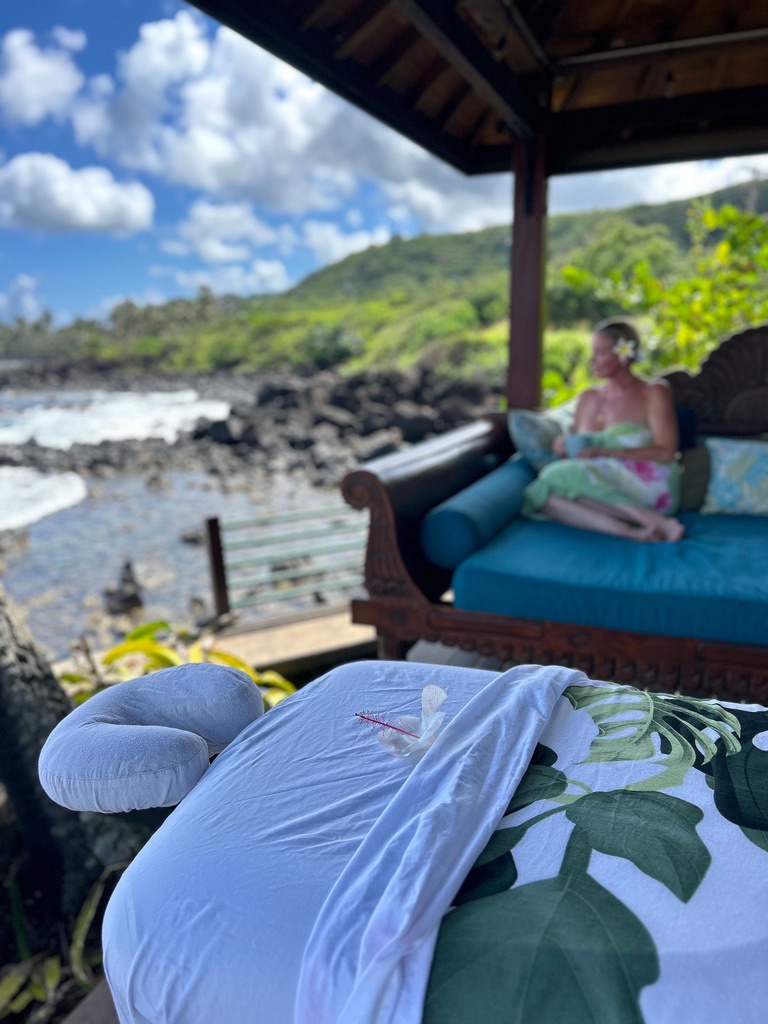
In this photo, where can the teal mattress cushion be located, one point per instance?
(470, 518)
(713, 585)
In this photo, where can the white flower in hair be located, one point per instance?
(625, 349)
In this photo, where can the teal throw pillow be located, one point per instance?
(738, 479)
(532, 434)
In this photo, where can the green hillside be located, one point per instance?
(442, 300)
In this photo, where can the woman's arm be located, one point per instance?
(580, 414)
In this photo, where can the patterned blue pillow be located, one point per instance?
(738, 479)
(533, 434)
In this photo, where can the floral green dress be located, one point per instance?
(610, 479)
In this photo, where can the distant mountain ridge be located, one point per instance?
(440, 300)
(405, 263)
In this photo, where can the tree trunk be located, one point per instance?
(66, 850)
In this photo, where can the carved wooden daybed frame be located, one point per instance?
(407, 595)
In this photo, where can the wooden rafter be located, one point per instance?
(460, 47)
(724, 41)
(598, 79)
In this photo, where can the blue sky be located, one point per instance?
(146, 151)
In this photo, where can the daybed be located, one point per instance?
(564, 850)
(449, 559)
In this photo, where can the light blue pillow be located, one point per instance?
(533, 434)
(146, 742)
(738, 477)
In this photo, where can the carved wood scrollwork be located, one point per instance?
(668, 675)
(732, 382)
(385, 572)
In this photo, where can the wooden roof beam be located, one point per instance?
(451, 37)
(656, 131)
(541, 15)
(591, 61)
(364, 23)
(525, 32)
(388, 59)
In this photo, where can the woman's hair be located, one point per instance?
(621, 331)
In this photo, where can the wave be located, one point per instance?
(28, 495)
(59, 420)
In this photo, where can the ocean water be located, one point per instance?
(58, 573)
(59, 419)
(73, 534)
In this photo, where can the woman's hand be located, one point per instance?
(558, 445)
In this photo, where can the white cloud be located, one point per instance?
(21, 299)
(242, 125)
(168, 52)
(222, 116)
(330, 244)
(38, 190)
(259, 277)
(35, 83)
(70, 39)
(658, 184)
(225, 233)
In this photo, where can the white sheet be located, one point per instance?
(209, 923)
(369, 954)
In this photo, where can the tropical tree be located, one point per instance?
(721, 287)
(609, 254)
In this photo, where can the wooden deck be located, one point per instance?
(96, 1008)
(300, 646)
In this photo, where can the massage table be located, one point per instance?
(532, 846)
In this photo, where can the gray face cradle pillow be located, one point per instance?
(148, 741)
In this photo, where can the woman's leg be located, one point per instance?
(587, 517)
(666, 527)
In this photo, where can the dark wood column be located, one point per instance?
(526, 298)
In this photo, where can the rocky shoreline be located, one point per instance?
(319, 426)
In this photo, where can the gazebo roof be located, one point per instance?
(608, 83)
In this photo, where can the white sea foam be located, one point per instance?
(26, 495)
(61, 420)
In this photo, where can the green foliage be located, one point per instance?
(154, 646)
(327, 346)
(565, 370)
(36, 985)
(609, 253)
(394, 305)
(721, 288)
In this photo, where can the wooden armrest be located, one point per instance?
(400, 489)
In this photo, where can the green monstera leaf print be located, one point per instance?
(675, 733)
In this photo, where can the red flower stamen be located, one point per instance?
(384, 725)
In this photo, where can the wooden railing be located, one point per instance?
(289, 557)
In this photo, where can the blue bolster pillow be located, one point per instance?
(148, 741)
(469, 519)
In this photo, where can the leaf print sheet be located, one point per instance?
(637, 848)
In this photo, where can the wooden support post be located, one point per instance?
(526, 297)
(218, 569)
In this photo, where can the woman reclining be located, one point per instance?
(624, 479)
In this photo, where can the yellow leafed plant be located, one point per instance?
(155, 646)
